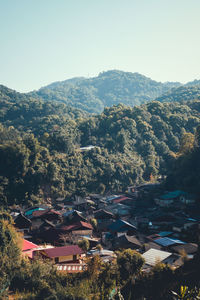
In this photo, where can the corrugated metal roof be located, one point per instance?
(103, 252)
(63, 251)
(165, 241)
(152, 256)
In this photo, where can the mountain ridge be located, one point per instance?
(108, 88)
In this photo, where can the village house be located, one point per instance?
(119, 209)
(23, 224)
(73, 216)
(65, 254)
(103, 214)
(77, 230)
(28, 248)
(68, 259)
(174, 197)
(122, 226)
(104, 219)
(184, 225)
(153, 256)
(167, 242)
(104, 254)
(125, 241)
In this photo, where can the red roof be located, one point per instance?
(52, 211)
(28, 245)
(77, 226)
(39, 213)
(63, 251)
(118, 200)
(84, 224)
(68, 227)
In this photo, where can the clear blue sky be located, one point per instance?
(42, 41)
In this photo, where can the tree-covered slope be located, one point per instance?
(32, 113)
(107, 89)
(185, 169)
(187, 92)
(132, 145)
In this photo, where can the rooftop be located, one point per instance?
(63, 251)
(28, 245)
(152, 256)
(165, 241)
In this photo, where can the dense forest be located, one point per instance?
(107, 89)
(185, 171)
(41, 155)
(29, 113)
(182, 93)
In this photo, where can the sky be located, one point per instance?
(42, 41)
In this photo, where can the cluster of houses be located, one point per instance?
(136, 220)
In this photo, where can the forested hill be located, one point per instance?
(33, 113)
(107, 89)
(131, 145)
(185, 167)
(189, 91)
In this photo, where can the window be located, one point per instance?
(74, 257)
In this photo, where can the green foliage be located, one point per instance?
(182, 93)
(10, 253)
(94, 223)
(129, 263)
(39, 280)
(184, 172)
(187, 294)
(84, 244)
(107, 89)
(34, 114)
(134, 145)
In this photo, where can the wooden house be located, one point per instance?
(122, 226)
(65, 254)
(22, 223)
(125, 241)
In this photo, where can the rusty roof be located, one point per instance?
(63, 251)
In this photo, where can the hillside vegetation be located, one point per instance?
(185, 170)
(182, 93)
(32, 113)
(107, 89)
(40, 153)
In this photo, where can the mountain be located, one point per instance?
(107, 89)
(41, 155)
(190, 91)
(26, 112)
(193, 83)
